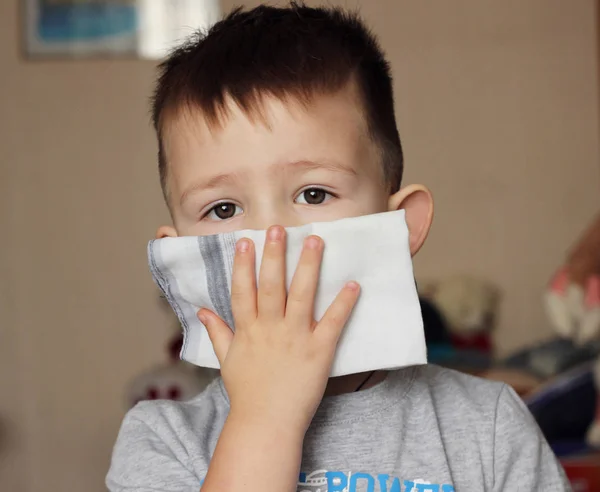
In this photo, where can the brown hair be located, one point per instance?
(295, 51)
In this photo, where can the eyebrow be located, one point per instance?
(295, 167)
(214, 182)
(326, 164)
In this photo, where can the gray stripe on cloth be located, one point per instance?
(216, 277)
(168, 285)
(228, 252)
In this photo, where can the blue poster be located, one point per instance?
(144, 28)
(81, 27)
(76, 21)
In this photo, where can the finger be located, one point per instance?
(301, 297)
(271, 280)
(332, 324)
(219, 333)
(243, 284)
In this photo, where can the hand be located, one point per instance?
(276, 366)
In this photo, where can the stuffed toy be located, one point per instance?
(176, 380)
(468, 306)
(573, 296)
(573, 303)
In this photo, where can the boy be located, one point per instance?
(280, 117)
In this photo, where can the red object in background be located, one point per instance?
(174, 393)
(583, 472)
(560, 282)
(592, 292)
(480, 342)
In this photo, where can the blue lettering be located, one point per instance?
(383, 483)
(365, 476)
(423, 487)
(336, 481)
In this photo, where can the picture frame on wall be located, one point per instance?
(111, 28)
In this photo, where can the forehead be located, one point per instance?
(322, 127)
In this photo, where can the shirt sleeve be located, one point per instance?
(143, 461)
(523, 460)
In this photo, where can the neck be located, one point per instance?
(349, 384)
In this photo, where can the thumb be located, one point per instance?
(219, 333)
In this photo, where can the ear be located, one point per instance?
(166, 231)
(417, 202)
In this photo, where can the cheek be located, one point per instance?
(195, 230)
(182, 224)
(372, 198)
(378, 204)
(186, 231)
(346, 208)
(187, 227)
(207, 227)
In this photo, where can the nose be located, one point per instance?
(276, 216)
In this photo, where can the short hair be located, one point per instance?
(295, 51)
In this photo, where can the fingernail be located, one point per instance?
(275, 233)
(243, 245)
(352, 286)
(202, 317)
(312, 242)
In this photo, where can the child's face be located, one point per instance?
(306, 164)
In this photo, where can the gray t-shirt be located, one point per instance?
(423, 429)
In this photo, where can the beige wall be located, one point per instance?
(498, 110)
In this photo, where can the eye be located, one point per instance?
(223, 211)
(313, 196)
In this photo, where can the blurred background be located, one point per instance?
(497, 104)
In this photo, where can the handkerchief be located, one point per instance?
(385, 330)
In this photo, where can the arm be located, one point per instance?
(523, 460)
(275, 368)
(148, 457)
(254, 456)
